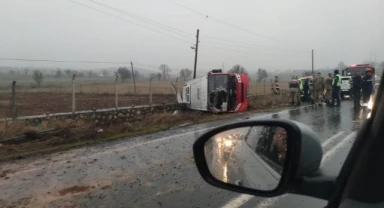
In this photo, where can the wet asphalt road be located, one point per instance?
(158, 170)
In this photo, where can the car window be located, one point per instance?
(101, 100)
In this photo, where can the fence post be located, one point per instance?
(13, 100)
(264, 86)
(116, 92)
(133, 76)
(73, 94)
(150, 91)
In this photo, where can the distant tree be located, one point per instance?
(79, 74)
(124, 73)
(68, 72)
(136, 74)
(307, 73)
(58, 73)
(89, 73)
(38, 77)
(165, 70)
(153, 75)
(185, 73)
(261, 75)
(105, 73)
(26, 71)
(238, 69)
(341, 65)
(158, 76)
(11, 72)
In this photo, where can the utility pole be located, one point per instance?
(133, 75)
(116, 92)
(196, 48)
(223, 66)
(312, 64)
(73, 93)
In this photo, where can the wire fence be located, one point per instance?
(27, 101)
(24, 100)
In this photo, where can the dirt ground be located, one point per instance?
(40, 103)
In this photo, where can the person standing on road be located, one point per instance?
(328, 88)
(367, 85)
(336, 84)
(318, 88)
(356, 90)
(294, 90)
(306, 89)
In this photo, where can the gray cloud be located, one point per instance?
(347, 30)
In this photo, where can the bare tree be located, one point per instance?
(261, 75)
(58, 73)
(341, 66)
(26, 71)
(89, 73)
(165, 70)
(158, 76)
(185, 73)
(105, 73)
(136, 74)
(67, 72)
(124, 73)
(238, 69)
(38, 77)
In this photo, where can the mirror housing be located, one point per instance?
(303, 158)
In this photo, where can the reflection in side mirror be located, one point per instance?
(251, 157)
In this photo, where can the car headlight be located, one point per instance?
(228, 143)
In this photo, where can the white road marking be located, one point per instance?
(331, 139)
(269, 202)
(334, 149)
(238, 201)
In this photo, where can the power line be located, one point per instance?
(223, 22)
(241, 51)
(242, 43)
(130, 22)
(241, 46)
(165, 27)
(70, 61)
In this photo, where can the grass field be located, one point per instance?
(91, 93)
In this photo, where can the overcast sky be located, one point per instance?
(277, 34)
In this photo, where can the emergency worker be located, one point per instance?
(328, 88)
(294, 89)
(336, 84)
(318, 88)
(367, 85)
(306, 89)
(356, 90)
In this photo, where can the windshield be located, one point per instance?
(354, 70)
(101, 101)
(218, 82)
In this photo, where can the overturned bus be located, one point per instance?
(216, 92)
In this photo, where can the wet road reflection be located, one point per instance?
(154, 170)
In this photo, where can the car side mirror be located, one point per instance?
(260, 157)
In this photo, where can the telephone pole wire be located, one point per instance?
(133, 76)
(196, 50)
